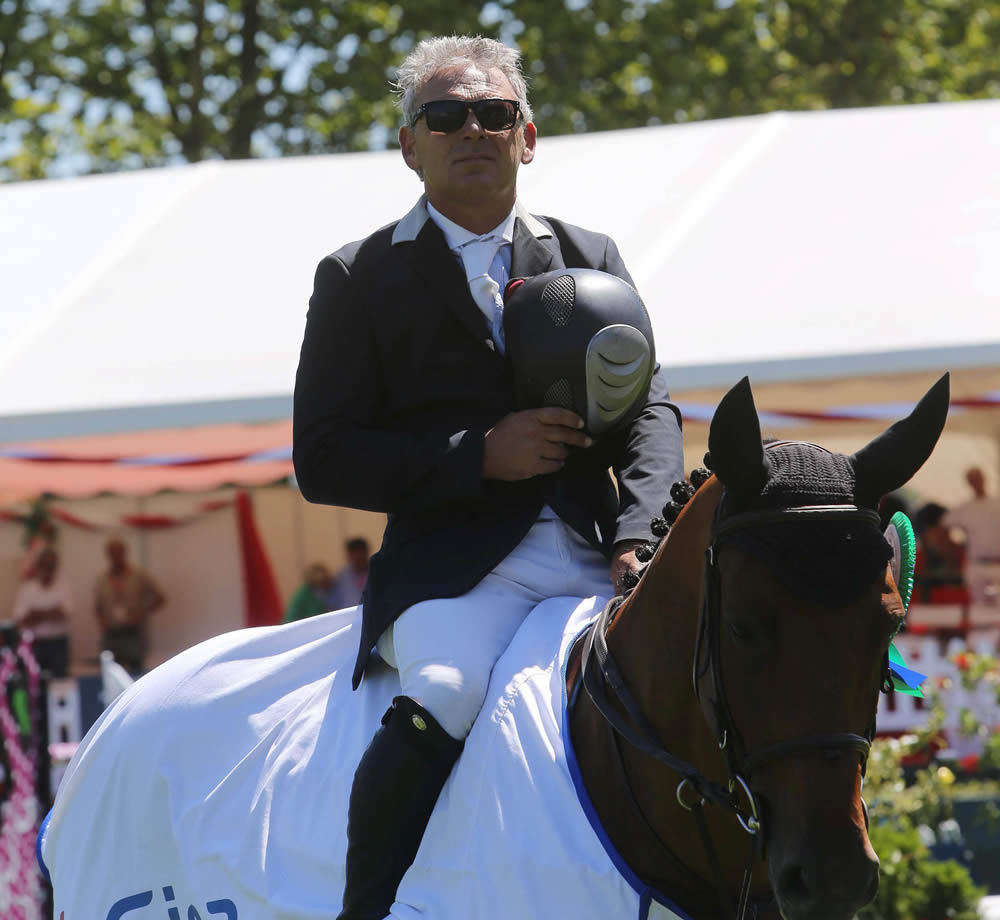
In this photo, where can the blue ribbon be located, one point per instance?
(904, 679)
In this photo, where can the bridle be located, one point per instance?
(742, 763)
(601, 674)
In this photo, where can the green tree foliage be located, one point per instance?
(97, 85)
(913, 886)
(906, 813)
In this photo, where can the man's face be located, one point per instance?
(357, 559)
(116, 553)
(46, 567)
(471, 165)
(318, 578)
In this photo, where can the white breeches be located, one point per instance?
(445, 649)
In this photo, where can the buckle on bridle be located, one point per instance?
(750, 823)
(688, 806)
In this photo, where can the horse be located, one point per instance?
(693, 749)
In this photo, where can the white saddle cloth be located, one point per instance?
(217, 786)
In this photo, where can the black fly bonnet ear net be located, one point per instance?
(822, 562)
(580, 339)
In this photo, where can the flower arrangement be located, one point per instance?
(913, 786)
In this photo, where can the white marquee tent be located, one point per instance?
(841, 259)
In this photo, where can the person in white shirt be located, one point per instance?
(43, 605)
(979, 520)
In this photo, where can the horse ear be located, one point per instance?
(894, 456)
(734, 443)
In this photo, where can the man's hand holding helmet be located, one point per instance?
(532, 442)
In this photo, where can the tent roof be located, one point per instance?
(798, 247)
(147, 462)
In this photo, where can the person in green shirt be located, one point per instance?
(313, 596)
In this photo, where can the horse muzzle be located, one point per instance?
(831, 881)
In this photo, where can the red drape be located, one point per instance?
(262, 601)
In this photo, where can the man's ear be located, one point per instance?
(530, 135)
(408, 147)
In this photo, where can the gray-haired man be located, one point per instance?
(404, 403)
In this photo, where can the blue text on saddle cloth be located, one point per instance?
(123, 907)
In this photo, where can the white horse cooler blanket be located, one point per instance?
(217, 786)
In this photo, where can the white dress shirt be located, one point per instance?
(486, 259)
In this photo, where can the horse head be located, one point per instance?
(799, 608)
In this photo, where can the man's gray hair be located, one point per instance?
(434, 54)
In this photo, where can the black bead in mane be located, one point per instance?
(659, 527)
(681, 493)
(699, 477)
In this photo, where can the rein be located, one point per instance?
(643, 737)
(601, 674)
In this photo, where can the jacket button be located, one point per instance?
(418, 723)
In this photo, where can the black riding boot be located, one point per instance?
(395, 787)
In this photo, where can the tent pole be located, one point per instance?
(140, 509)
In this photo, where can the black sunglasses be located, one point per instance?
(448, 115)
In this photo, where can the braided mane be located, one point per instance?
(681, 493)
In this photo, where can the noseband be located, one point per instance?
(600, 674)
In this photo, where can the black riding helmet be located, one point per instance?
(580, 339)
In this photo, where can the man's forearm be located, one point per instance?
(652, 461)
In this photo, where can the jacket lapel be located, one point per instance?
(434, 262)
(531, 256)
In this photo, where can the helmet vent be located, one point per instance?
(557, 298)
(560, 394)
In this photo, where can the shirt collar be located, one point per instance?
(457, 236)
(407, 229)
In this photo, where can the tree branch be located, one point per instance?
(161, 64)
(14, 22)
(249, 103)
(199, 131)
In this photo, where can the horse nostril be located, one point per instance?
(810, 893)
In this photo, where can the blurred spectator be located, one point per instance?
(353, 577)
(979, 518)
(939, 568)
(43, 605)
(314, 596)
(43, 539)
(125, 598)
(889, 505)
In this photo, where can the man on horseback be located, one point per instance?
(405, 403)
